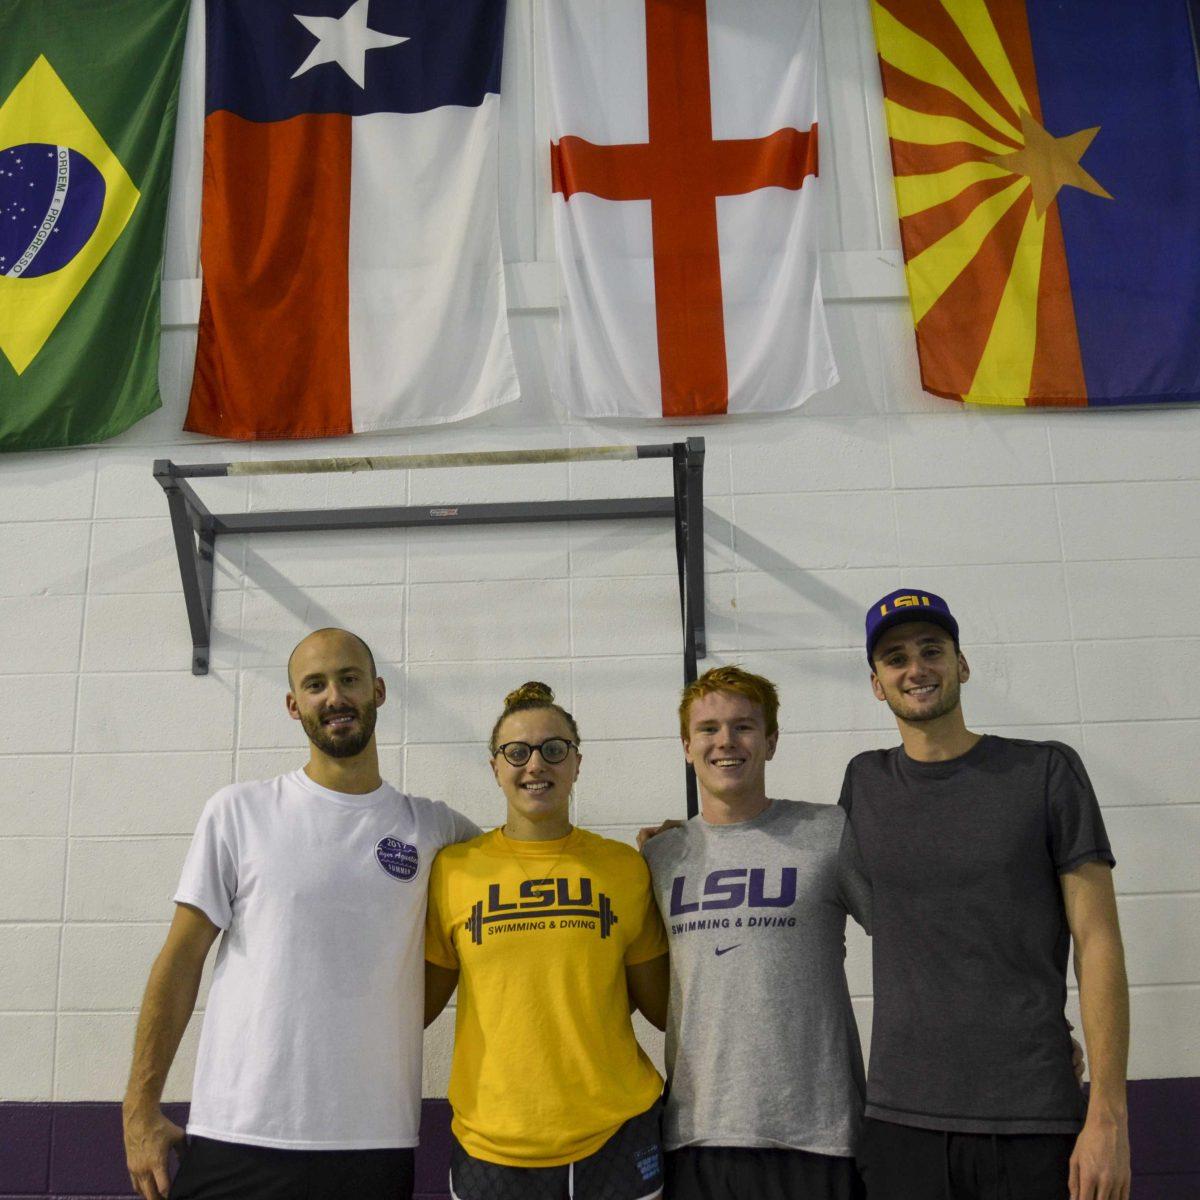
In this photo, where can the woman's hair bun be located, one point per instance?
(531, 692)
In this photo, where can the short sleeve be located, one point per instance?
(462, 829)
(1076, 830)
(846, 798)
(439, 932)
(854, 887)
(210, 872)
(452, 827)
(650, 941)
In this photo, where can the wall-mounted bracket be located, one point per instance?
(196, 528)
(195, 532)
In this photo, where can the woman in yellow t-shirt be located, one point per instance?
(549, 932)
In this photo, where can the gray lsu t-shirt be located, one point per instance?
(762, 1048)
(971, 937)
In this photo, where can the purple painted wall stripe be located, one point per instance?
(433, 1155)
(73, 1151)
(24, 1147)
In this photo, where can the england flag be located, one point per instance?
(686, 205)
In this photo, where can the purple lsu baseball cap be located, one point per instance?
(906, 605)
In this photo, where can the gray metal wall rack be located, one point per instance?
(196, 528)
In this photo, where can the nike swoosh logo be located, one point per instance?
(727, 949)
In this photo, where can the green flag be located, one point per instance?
(88, 98)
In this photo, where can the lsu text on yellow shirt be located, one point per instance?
(546, 1066)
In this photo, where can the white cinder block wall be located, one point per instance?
(1067, 542)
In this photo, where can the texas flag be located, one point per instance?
(350, 239)
(686, 205)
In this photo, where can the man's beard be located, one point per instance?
(345, 745)
(948, 703)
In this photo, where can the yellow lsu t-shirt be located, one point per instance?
(546, 1066)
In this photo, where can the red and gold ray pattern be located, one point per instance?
(976, 179)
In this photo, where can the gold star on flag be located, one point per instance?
(1051, 163)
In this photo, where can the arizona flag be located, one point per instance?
(686, 205)
(350, 238)
(1047, 163)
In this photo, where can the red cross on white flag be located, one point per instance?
(684, 161)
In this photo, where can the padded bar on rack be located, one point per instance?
(416, 462)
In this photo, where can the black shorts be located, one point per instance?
(899, 1162)
(211, 1170)
(749, 1173)
(627, 1167)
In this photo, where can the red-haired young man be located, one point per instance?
(763, 1058)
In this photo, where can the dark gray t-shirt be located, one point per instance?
(762, 1048)
(970, 934)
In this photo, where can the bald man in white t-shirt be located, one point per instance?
(308, 1077)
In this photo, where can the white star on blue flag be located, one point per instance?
(344, 40)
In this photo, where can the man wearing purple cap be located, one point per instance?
(987, 856)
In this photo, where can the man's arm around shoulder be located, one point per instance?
(652, 831)
(1100, 1163)
(166, 1008)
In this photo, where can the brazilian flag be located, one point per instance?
(88, 99)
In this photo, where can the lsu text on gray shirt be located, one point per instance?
(762, 1048)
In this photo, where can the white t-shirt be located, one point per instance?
(312, 1033)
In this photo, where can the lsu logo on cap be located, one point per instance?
(897, 607)
(909, 601)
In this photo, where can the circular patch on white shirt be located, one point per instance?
(397, 858)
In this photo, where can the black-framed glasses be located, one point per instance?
(552, 750)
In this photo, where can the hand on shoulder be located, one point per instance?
(651, 831)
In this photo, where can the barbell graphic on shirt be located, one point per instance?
(531, 916)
